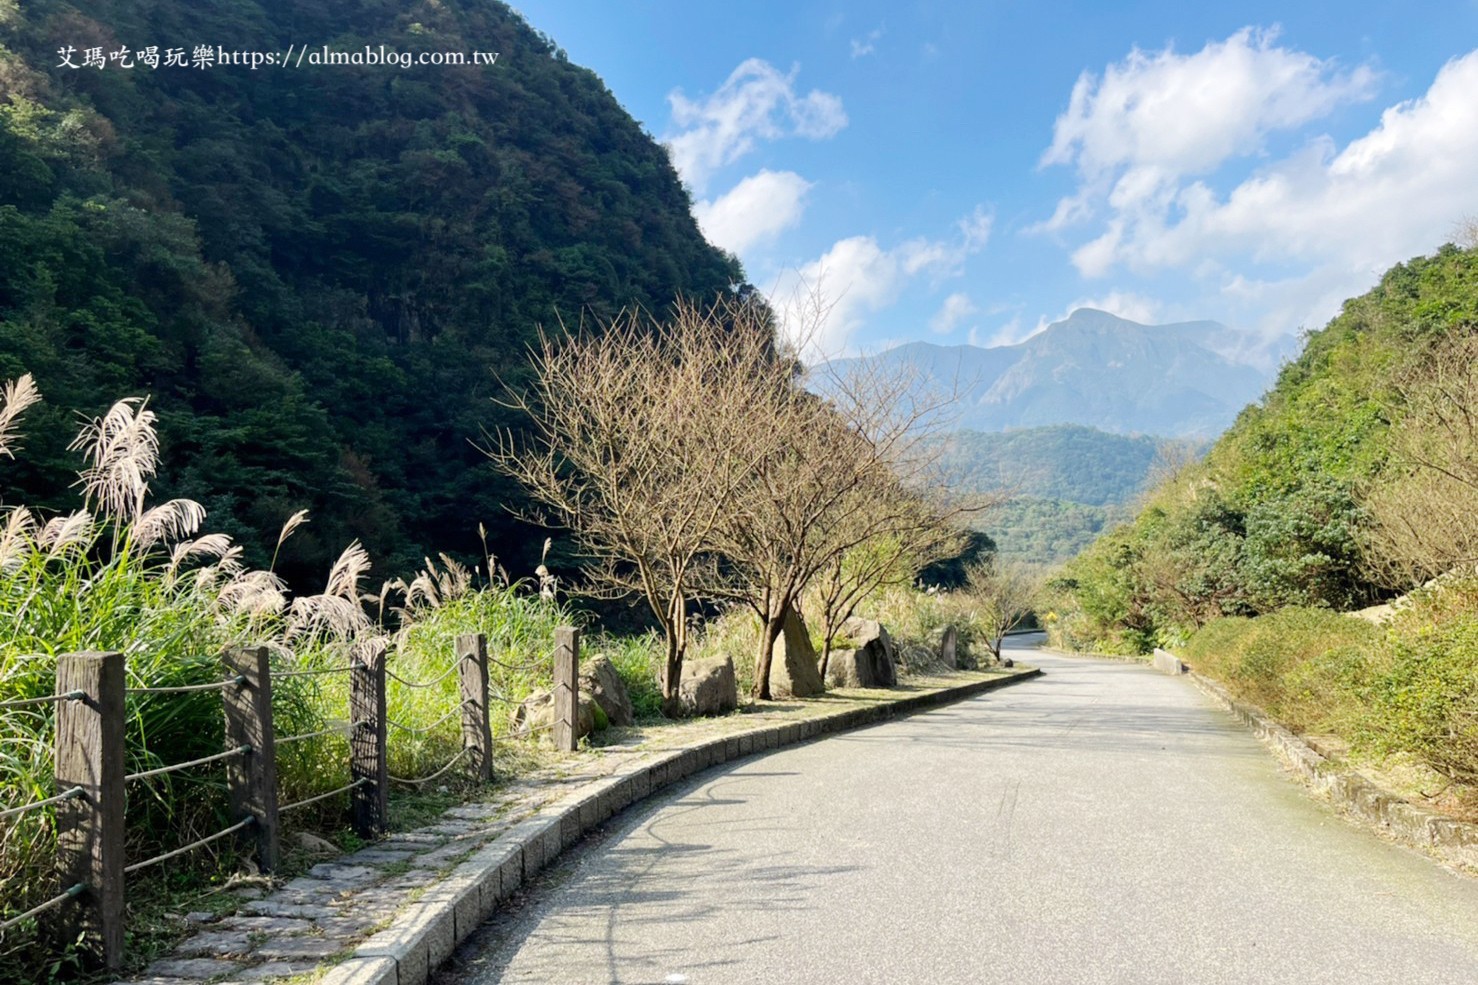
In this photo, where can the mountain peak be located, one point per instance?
(1097, 369)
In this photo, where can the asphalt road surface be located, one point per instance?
(1102, 823)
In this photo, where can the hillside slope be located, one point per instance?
(1067, 482)
(1278, 514)
(315, 273)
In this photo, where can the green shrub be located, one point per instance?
(1426, 699)
(1304, 666)
(638, 659)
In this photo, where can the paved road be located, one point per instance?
(1100, 824)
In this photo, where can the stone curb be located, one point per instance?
(426, 932)
(1454, 842)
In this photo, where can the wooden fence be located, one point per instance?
(91, 783)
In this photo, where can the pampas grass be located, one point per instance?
(120, 574)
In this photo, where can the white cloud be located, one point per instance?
(755, 103)
(956, 308)
(753, 211)
(823, 303)
(976, 227)
(1160, 114)
(1008, 334)
(867, 45)
(1282, 247)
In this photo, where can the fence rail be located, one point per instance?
(89, 765)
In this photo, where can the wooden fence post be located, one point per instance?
(252, 778)
(370, 800)
(566, 686)
(477, 735)
(89, 839)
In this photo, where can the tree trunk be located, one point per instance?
(769, 632)
(672, 670)
(825, 652)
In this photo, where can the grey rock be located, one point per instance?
(707, 687)
(916, 658)
(312, 843)
(197, 968)
(953, 653)
(215, 944)
(850, 668)
(276, 926)
(536, 716)
(793, 669)
(877, 656)
(304, 911)
(599, 679)
(299, 948)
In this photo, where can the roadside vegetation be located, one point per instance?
(1352, 485)
(695, 472)
(119, 572)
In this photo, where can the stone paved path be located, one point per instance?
(327, 911)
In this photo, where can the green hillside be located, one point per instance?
(316, 273)
(1064, 461)
(1067, 483)
(1275, 514)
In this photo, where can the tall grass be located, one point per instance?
(120, 574)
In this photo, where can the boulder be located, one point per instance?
(316, 845)
(600, 680)
(881, 655)
(851, 668)
(953, 653)
(793, 663)
(536, 716)
(707, 687)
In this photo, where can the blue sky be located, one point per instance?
(973, 171)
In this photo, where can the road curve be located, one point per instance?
(1102, 823)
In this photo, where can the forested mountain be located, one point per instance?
(315, 272)
(1067, 482)
(1065, 461)
(1096, 369)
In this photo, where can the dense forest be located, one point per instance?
(1311, 497)
(1067, 483)
(318, 277)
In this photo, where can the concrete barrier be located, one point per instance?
(1168, 663)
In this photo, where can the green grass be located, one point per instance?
(118, 575)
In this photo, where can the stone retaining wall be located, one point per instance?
(1450, 840)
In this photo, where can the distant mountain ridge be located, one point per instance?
(1095, 369)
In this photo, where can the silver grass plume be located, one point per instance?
(62, 532)
(168, 521)
(122, 448)
(17, 395)
(15, 537)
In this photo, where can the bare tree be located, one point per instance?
(916, 534)
(1424, 511)
(642, 441)
(1004, 592)
(875, 429)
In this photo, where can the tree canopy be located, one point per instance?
(313, 272)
